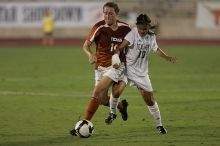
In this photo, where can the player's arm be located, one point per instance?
(116, 62)
(123, 45)
(88, 51)
(162, 54)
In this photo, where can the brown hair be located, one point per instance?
(112, 5)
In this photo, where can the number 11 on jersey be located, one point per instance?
(113, 47)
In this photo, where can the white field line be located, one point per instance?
(17, 93)
(77, 94)
(22, 93)
(5, 93)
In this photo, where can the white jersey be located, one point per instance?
(137, 51)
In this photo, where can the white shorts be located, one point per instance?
(115, 74)
(142, 82)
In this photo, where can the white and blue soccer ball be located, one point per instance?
(84, 128)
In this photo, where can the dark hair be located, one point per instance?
(112, 5)
(143, 19)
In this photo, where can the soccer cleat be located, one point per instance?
(110, 118)
(124, 112)
(162, 130)
(73, 132)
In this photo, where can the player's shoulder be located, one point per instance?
(134, 29)
(123, 24)
(99, 24)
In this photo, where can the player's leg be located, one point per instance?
(100, 89)
(44, 40)
(51, 39)
(100, 97)
(122, 106)
(144, 85)
(97, 97)
(120, 81)
(154, 109)
(117, 75)
(92, 107)
(117, 89)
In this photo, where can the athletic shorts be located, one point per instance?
(142, 82)
(115, 74)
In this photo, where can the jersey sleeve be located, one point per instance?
(94, 31)
(90, 37)
(154, 45)
(130, 37)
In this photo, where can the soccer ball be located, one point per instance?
(84, 128)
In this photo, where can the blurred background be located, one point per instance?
(179, 21)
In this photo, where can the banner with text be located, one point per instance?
(208, 15)
(65, 14)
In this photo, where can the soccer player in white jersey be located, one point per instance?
(139, 42)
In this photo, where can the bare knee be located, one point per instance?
(148, 97)
(116, 94)
(101, 95)
(118, 89)
(99, 91)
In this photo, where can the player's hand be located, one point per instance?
(172, 59)
(92, 59)
(116, 62)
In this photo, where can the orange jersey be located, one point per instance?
(106, 40)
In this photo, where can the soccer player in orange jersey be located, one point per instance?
(107, 35)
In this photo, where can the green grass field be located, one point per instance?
(44, 91)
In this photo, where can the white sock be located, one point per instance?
(113, 104)
(155, 111)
